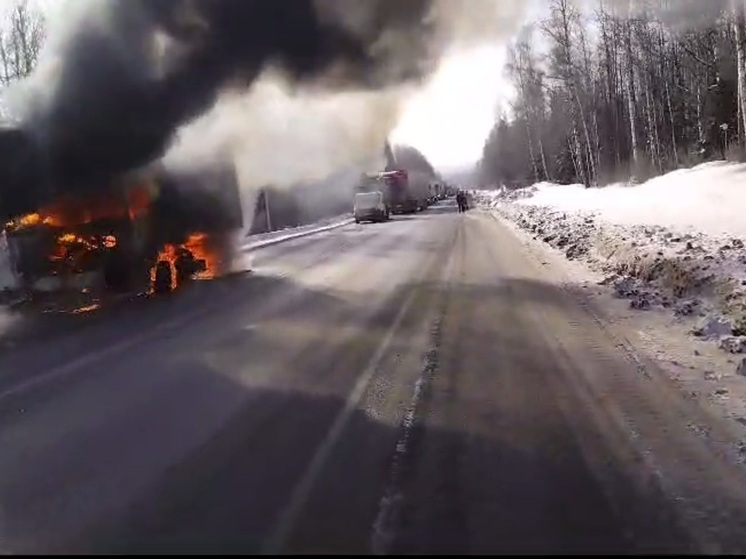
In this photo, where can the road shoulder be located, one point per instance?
(566, 404)
(696, 367)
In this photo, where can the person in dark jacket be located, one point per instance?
(461, 201)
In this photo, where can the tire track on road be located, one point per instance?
(385, 530)
(289, 518)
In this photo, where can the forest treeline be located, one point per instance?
(627, 90)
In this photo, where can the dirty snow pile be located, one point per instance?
(675, 242)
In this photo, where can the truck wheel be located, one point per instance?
(162, 280)
(186, 267)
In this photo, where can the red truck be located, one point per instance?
(403, 191)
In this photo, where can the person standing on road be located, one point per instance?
(461, 201)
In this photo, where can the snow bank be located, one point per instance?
(709, 198)
(676, 242)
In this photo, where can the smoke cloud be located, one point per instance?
(282, 136)
(290, 90)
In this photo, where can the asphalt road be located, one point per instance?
(416, 386)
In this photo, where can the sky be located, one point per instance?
(450, 120)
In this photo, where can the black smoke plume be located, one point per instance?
(120, 94)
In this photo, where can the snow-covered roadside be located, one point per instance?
(688, 273)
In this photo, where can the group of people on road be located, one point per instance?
(462, 200)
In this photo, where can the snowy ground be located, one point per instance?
(668, 257)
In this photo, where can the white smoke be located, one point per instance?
(280, 135)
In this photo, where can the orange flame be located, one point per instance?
(30, 220)
(87, 309)
(167, 254)
(70, 212)
(72, 238)
(70, 243)
(198, 247)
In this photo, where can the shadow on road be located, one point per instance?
(443, 208)
(429, 212)
(35, 343)
(456, 491)
(31, 325)
(227, 495)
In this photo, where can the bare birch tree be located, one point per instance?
(22, 34)
(643, 95)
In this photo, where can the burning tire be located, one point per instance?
(162, 282)
(185, 266)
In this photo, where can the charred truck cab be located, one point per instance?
(149, 231)
(72, 243)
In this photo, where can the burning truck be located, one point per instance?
(149, 230)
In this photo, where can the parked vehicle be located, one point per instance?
(403, 191)
(370, 206)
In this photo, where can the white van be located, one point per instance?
(370, 206)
